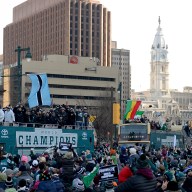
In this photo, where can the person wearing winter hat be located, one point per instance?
(109, 186)
(67, 168)
(3, 178)
(22, 186)
(10, 181)
(42, 159)
(123, 157)
(90, 162)
(9, 172)
(143, 180)
(133, 158)
(24, 161)
(168, 176)
(23, 174)
(9, 185)
(113, 156)
(46, 183)
(78, 185)
(80, 172)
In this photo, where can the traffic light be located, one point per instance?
(116, 113)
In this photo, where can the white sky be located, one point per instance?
(134, 24)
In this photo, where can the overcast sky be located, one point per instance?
(134, 25)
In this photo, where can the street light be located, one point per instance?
(119, 90)
(28, 56)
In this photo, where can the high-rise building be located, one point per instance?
(121, 59)
(64, 27)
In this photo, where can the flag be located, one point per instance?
(131, 109)
(39, 94)
(139, 113)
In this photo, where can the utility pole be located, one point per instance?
(112, 130)
(28, 56)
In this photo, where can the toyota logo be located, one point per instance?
(84, 134)
(4, 132)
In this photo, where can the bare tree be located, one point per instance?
(103, 123)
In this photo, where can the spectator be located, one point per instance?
(56, 180)
(79, 118)
(24, 161)
(173, 186)
(133, 158)
(67, 168)
(78, 185)
(22, 186)
(85, 117)
(9, 185)
(109, 186)
(143, 180)
(187, 130)
(123, 156)
(124, 174)
(23, 174)
(3, 178)
(46, 184)
(2, 115)
(90, 162)
(113, 156)
(187, 185)
(71, 117)
(20, 113)
(9, 115)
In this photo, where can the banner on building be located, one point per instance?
(39, 95)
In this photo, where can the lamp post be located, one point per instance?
(28, 56)
(120, 92)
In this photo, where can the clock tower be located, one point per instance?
(159, 76)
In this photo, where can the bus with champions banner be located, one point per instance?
(19, 140)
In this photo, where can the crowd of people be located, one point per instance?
(61, 115)
(140, 169)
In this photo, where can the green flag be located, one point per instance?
(139, 113)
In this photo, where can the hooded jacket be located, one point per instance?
(144, 181)
(124, 174)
